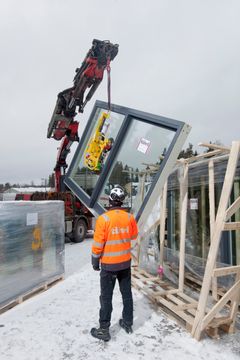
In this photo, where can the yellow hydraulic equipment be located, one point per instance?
(98, 145)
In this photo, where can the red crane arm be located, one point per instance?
(89, 75)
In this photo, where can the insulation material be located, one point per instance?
(31, 245)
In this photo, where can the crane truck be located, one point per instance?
(64, 127)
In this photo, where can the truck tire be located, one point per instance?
(80, 231)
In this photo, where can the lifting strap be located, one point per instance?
(109, 84)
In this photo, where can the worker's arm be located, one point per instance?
(134, 228)
(99, 242)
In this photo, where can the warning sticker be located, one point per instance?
(143, 145)
(193, 204)
(32, 219)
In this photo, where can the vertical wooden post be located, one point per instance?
(237, 218)
(183, 221)
(203, 217)
(234, 307)
(212, 217)
(163, 206)
(218, 227)
(142, 193)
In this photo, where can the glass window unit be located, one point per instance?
(83, 176)
(137, 162)
(143, 150)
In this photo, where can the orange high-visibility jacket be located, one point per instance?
(112, 240)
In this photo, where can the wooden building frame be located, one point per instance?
(196, 314)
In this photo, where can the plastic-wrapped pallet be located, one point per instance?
(31, 246)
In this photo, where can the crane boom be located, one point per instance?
(63, 126)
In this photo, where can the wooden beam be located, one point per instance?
(211, 195)
(232, 209)
(220, 304)
(183, 307)
(216, 322)
(231, 226)
(234, 307)
(163, 204)
(226, 270)
(181, 314)
(183, 221)
(200, 156)
(215, 146)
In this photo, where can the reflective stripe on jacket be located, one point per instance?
(112, 240)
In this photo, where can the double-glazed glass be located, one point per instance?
(83, 174)
(137, 162)
(125, 147)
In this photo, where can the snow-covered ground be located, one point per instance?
(55, 324)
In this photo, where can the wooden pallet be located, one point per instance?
(170, 300)
(174, 303)
(29, 294)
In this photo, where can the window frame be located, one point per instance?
(180, 128)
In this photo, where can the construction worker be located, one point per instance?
(112, 249)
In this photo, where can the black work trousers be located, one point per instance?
(107, 282)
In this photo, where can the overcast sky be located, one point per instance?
(177, 58)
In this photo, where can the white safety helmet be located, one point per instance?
(117, 194)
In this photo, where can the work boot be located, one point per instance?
(126, 327)
(102, 334)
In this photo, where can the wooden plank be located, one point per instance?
(188, 319)
(29, 294)
(220, 304)
(212, 254)
(226, 270)
(232, 226)
(188, 298)
(217, 322)
(215, 146)
(187, 306)
(232, 209)
(175, 299)
(183, 221)
(163, 204)
(211, 195)
(234, 307)
(203, 156)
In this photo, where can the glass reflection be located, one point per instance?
(137, 162)
(94, 152)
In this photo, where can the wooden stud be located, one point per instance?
(215, 146)
(220, 304)
(163, 206)
(234, 306)
(183, 220)
(232, 226)
(232, 209)
(211, 195)
(226, 270)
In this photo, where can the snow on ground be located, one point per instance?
(55, 324)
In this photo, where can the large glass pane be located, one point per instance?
(137, 162)
(94, 152)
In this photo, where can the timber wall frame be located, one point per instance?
(196, 315)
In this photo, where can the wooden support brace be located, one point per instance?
(226, 270)
(215, 146)
(233, 208)
(232, 226)
(216, 308)
(183, 220)
(163, 203)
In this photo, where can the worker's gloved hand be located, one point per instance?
(96, 267)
